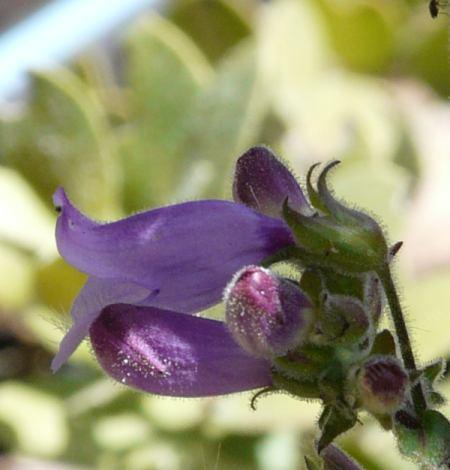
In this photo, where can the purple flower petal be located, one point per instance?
(263, 183)
(169, 353)
(95, 294)
(187, 252)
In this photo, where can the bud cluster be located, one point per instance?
(319, 329)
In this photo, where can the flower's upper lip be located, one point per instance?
(186, 251)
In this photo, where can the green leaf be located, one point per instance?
(63, 139)
(214, 26)
(335, 421)
(167, 73)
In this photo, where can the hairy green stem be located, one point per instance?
(404, 341)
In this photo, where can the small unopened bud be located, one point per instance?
(382, 382)
(344, 319)
(267, 315)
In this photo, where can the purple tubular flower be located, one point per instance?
(187, 252)
(266, 315)
(263, 183)
(173, 354)
(177, 258)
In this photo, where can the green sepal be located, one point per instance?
(384, 344)
(338, 283)
(297, 388)
(311, 465)
(427, 441)
(434, 371)
(289, 253)
(324, 415)
(414, 376)
(335, 420)
(435, 398)
(430, 375)
(306, 363)
(324, 242)
(311, 283)
(343, 214)
(332, 381)
(345, 240)
(261, 393)
(313, 195)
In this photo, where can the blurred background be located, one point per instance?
(138, 103)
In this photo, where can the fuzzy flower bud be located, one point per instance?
(381, 383)
(266, 315)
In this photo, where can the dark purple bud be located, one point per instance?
(263, 183)
(382, 384)
(267, 315)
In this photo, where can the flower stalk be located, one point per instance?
(417, 394)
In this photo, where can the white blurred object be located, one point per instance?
(55, 33)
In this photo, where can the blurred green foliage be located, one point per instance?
(359, 80)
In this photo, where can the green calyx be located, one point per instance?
(336, 236)
(343, 266)
(334, 420)
(345, 309)
(426, 441)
